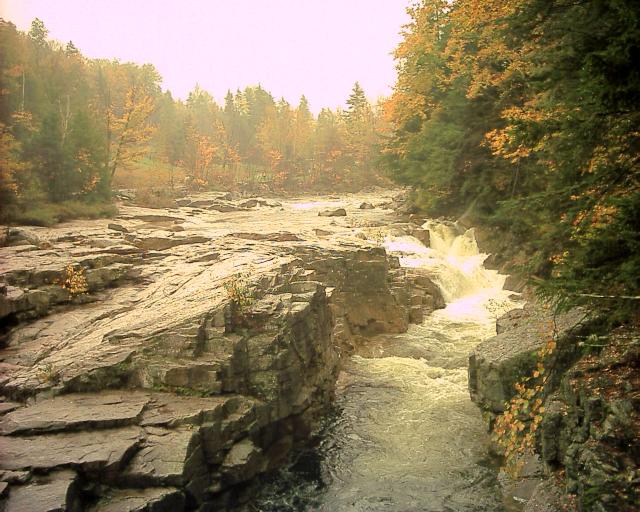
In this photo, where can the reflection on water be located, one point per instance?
(404, 435)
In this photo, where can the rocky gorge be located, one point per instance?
(162, 360)
(172, 359)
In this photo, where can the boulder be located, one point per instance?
(169, 458)
(117, 227)
(366, 206)
(202, 203)
(338, 212)
(225, 208)
(423, 235)
(497, 364)
(244, 461)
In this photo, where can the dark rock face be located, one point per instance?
(497, 364)
(591, 420)
(592, 424)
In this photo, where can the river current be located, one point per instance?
(404, 435)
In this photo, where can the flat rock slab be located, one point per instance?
(76, 412)
(97, 450)
(156, 243)
(159, 499)
(53, 493)
(172, 411)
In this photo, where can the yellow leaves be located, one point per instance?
(556, 259)
(10, 163)
(503, 144)
(75, 281)
(515, 430)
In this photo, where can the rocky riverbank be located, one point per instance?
(163, 360)
(586, 443)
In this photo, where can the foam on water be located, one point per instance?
(406, 436)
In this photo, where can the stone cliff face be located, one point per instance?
(194, 359)
(586, 447)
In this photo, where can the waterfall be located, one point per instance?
(455, 264)
(406, 436)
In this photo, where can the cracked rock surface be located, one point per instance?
(203, 345)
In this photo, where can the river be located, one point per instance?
(404, 435)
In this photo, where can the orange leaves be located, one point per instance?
(130, 126)
(514, 431)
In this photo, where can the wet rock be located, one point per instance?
(202, 203)
(252, 203)
(56, 492)
(421, 234)
(160, 499)
(75, 412)
(338, 212)
(98, 451)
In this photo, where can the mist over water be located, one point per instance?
(405, 435)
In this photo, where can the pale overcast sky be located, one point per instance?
(291, 47)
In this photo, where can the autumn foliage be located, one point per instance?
(71, 127)
(527, 111)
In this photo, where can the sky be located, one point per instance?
(318, 48)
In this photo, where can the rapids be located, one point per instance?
(405, 435)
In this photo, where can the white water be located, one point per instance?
(406, 436)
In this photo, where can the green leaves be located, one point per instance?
(529, 110)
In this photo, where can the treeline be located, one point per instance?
(527, 113)
(70, 125)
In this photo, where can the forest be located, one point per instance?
(525, 112)
(74, 128)
(259, 263)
